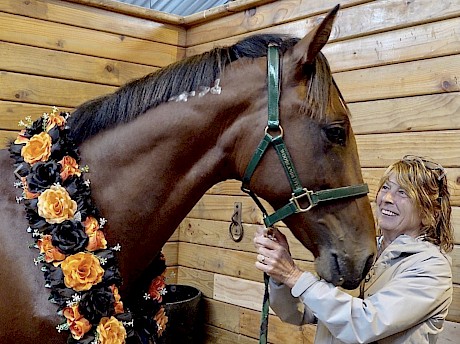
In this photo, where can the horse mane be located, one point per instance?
(136, 97)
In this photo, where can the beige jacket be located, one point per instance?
(406, 297)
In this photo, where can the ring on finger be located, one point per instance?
(263, 259)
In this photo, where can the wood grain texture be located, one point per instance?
(226, 262)
(56, 36)
(261, 17)
(374, 17)
(12, 112)
(429, 40)
(43, 62)
(409, 114)
(436, 75)
(98, 19)
(37, 89)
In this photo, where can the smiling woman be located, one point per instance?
(413, 214)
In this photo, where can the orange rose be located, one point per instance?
(91, 225)
(96, 241)
(96, 237)
(51, 253)
(161, 320)
(78, 325)
(69, 167)
(156, 287)
(54, 118)
(21, 138)
(81, 271)
(38, 148)
(27, 193)
(118, 304)
(72, 313)
(111, 331)
(55, 205)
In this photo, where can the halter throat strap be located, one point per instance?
(299, 193)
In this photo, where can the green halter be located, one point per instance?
(298, 192)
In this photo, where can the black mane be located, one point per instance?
(136, 97)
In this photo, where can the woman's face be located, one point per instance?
(396, 212)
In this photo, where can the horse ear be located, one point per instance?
(305, 51)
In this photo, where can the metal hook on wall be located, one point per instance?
(236, 226)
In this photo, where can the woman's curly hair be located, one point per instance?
(426, 184)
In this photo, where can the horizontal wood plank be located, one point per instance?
(416, 42)
(240, 292)
(216, 335)
(246, 321)
(216, 233)
(420, 113)
(12, 112)
(436, 75)
(221, 314)
(170, 251)
(45, 62)
(380, 150)
(56, 36)
(48, 91)
(278, 331)
(93, 18)
(202, 280)
(223, 261)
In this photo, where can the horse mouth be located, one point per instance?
(342, 276)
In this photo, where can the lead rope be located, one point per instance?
(263, 335)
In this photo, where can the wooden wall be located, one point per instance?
(398, 66)
(396, 62)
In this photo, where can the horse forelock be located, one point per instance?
(136, 97)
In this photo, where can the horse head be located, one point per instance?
(318, 144)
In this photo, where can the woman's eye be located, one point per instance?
(336, 134)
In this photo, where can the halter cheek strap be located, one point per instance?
(273, 125)
(298, 192)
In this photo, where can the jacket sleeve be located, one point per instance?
(410, 297)
(288, 308)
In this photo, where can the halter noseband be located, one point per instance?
(298, 192)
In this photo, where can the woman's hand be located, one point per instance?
(274, 257)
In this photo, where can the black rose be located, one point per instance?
(81, 194)
(54, 277)
(97, 303)
(69, 237)
(35, 128)
(42, 175)
(35, 220)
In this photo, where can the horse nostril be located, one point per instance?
(336, 263)
(368, 265)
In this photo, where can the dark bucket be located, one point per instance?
(185, 320)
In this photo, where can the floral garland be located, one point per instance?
(79, 268)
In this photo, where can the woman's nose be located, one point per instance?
(388, 197)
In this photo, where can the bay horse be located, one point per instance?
(157, 144)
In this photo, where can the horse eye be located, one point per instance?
(336, 134)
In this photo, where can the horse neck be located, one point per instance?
(147, 175)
